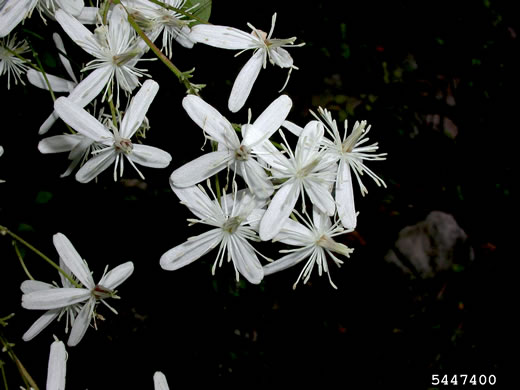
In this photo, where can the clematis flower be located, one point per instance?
(308, 170)
(10, 64)
(88, 296)
(116, 48)
(314, 241)
(230, 232)
(15, 11)
(350, 153)
(231, 152)
(264, 48)
(117, 142)
(159, 381)
(57, 366)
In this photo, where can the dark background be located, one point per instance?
(400, 65)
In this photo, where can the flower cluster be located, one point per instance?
(285, 184)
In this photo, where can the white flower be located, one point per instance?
(116, 48)
(159, 381)
(14, 11)
(231, 152)
(307, 171)
(230, 233)
(265, 48)
(11, 64)
(314, 240)
(155, 19)
(117, 141)
(70, 312)
(89, 295)
(57, 367)
(351, 153)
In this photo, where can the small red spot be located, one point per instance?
(380, 49)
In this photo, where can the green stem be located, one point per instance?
(3, 374)
(29, 382)
(21, 260)
(179, 11)
(4, 231)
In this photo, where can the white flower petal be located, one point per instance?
(211, 121)
(59, 143)
(196, 200)
(90, 86)
(222, 37)
(73, 7)
(118, 275)
(64, 60)
(279, 210)
(57, 368)
(320, 196)
(73, 260)
(40, 324)
(287, 261)
(268, 122)
(245, 80)
(96, 165)
(256, 178)
(245, 259)
(293, 128)
(309, 141)
(81, 323)
(200, 169)
(28, 286)
(54, 298)
(159, 381)
(80, 120)
(13, 12)
(150, 156)
(281, 57)
(137, 110)
(58, 84)
(44, 128)
(345, 196)
(191, 250)
(294, 233)
(76, 31)
(88, 15)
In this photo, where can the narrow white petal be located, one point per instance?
(51, 119)
(222, 37)
(287, 261)
(58, 84)
(81, 323)
(13, 12)
(196, 200)
(279, 210)
(293, 128)
(88, 15)
(64, 60)
(281, 57)
(96, 165)
(268, 122)
(90, 86)
(28, 286)
(40, 324)
(59, 143)
(73, 260)
(138, 108)
(57, 368)
(345, 196)
(150, 156)
(80, 120)
(245, 80)
(54, 298)
(294, 233)
(256, 179)
(211, 121)
(118, 275)
(309, 141)
(159, 381)
(200, 169)
(191, 250)
(72, 7)
(245, 259)
(320, 196)
(76, 31)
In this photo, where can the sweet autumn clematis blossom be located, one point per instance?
(88, 296)
(350, 152)
(230, 232)
(314, 241)
(264, 46)
(117, 141)
(231, 152)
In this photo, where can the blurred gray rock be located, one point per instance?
(431, 246)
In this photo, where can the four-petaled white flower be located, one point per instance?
(308, 170)
(89, 295)
(117, 141)
(265, 48)
(116, 47)
(9, 62)
(231, 152)
(315, 240)
(230, 232)
(351, 152)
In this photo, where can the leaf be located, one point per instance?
(202, 11)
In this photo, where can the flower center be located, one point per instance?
(101, 292)
(121, 59)
(242, 153)
(307, 169)
(232, 224)
(124, 145)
